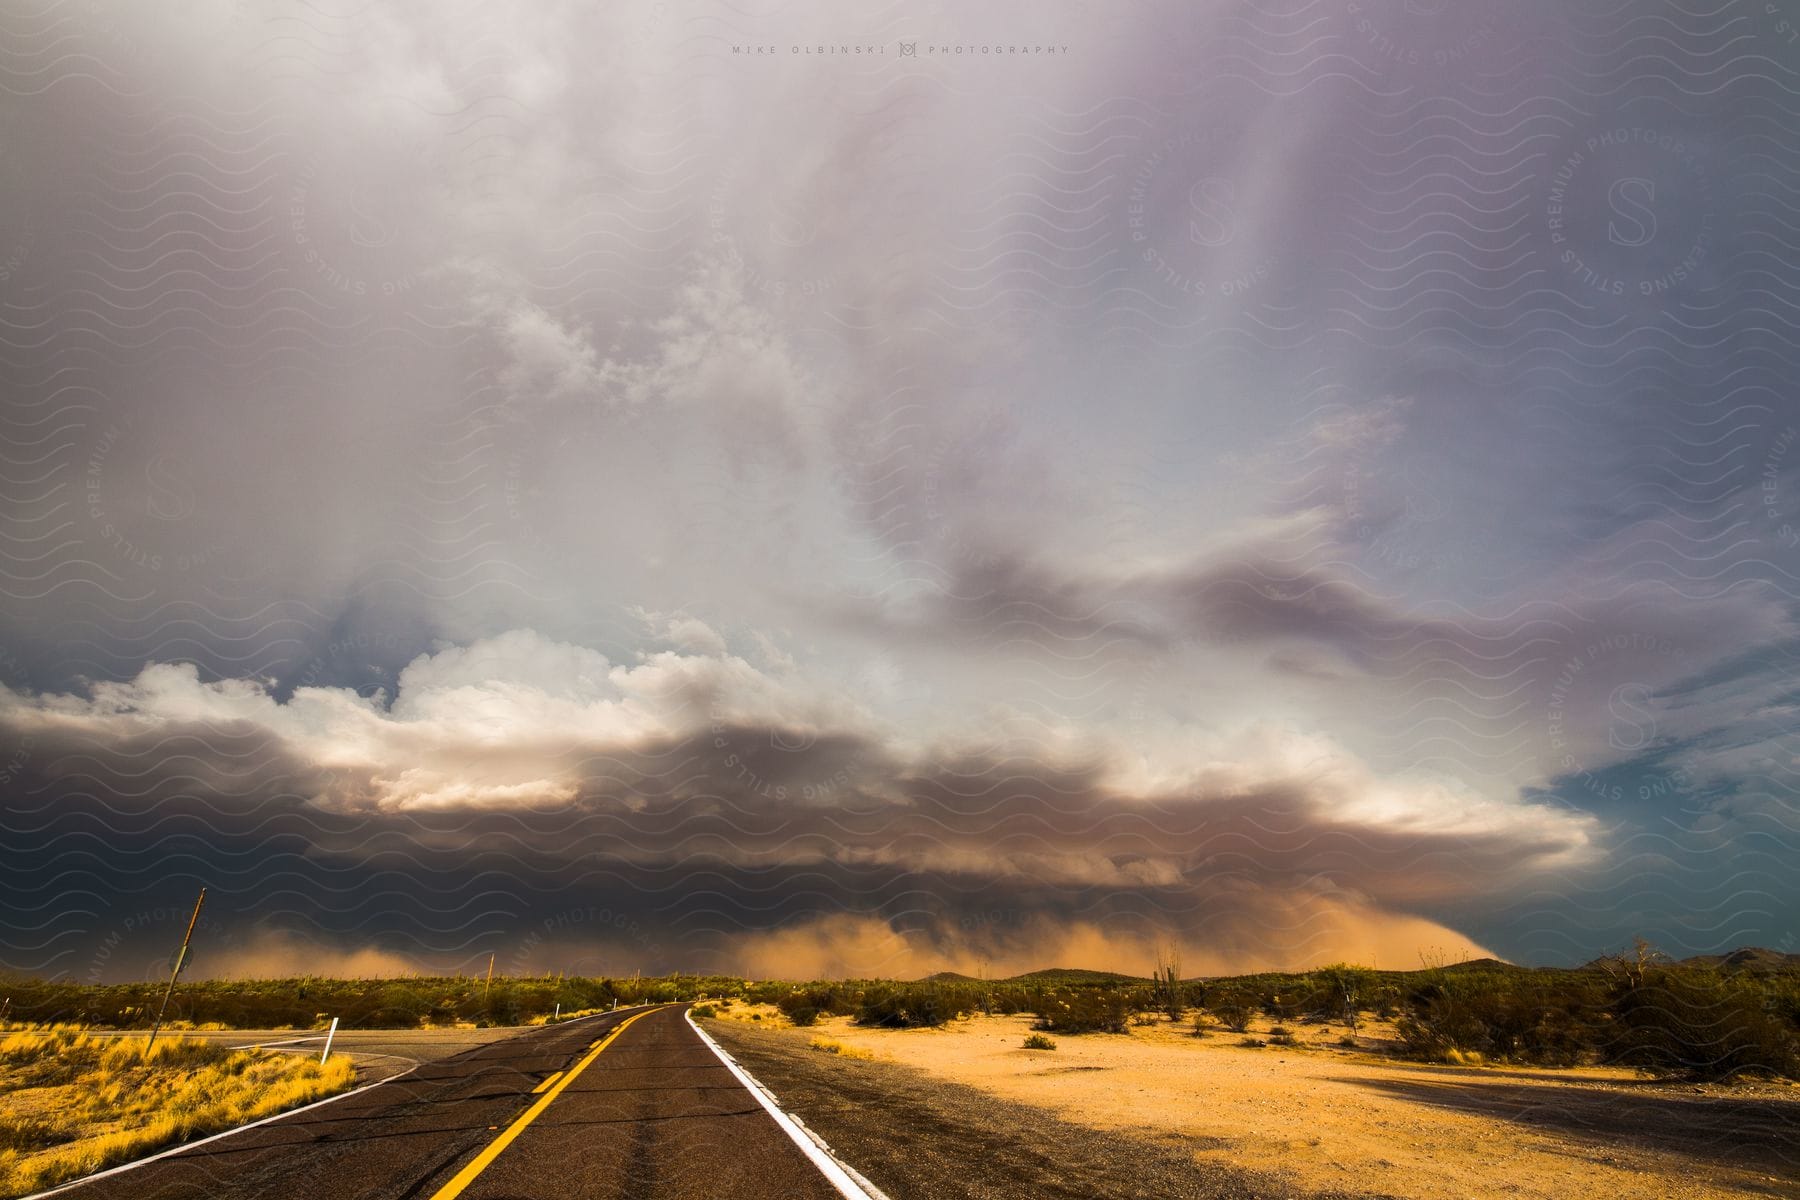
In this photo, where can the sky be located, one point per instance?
(850, 489)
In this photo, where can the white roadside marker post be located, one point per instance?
(329, 1034)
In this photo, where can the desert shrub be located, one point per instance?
(1436, 1030)
(1231, 1009)
(702, 1011)
(1703, 1025)
(1008, 1001)
(1287, 1004)
(803, 1016)
(1281, 1036)
(359, 1003)
(500, 1007)
(1071, 1010)
(1635, 1010)
(903, 1007)
(1551, 1019)
(1037, 1041)
(1199, 1029)
(1341, 990)
(821, 999)
(1253, 1042)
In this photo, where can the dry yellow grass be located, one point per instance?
(72, 1103)
(827, 1046)
(545, 1018)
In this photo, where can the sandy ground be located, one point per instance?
(1322, 1116)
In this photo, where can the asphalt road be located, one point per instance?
(630, 1105)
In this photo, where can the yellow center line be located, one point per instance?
(481, 1161)
(547, 1082)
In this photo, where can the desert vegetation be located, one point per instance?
(307, 1003)
(72, 1103)
(1694, 1020)
(1704, 1019)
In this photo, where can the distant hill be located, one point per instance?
(1754, 959)
(1075, 975)
(1747, 958)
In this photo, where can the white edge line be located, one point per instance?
(184, 1147)
(844, 1177)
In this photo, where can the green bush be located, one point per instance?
(1340, 991)
(1551, 1019)
(1702, 1025)
(1088, 1011)
(904, 1007)
(815, 1000)
(1037, 1041)
(358, 1003)
(1232, 1009)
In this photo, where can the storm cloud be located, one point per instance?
(873, 490)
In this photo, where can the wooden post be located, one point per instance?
(180, 958)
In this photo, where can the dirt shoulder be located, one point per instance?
(919, 1136)
(1317, 1117)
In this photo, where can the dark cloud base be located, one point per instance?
(971, 856)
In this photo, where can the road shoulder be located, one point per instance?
(919, 1137)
